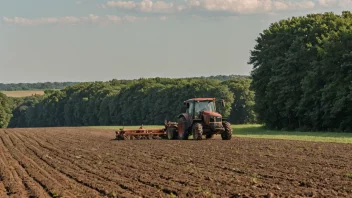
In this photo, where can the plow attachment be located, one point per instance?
(143, 133)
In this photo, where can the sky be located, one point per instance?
(100, 40)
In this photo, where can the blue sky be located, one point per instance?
(97, 40)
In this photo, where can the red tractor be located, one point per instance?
(199, 119)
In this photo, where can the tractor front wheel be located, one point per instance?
(197, 131)
(227, 134)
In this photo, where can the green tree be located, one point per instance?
(242, 111)
(5, 111)
(301, 72)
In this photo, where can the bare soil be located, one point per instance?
(23, 93)
(80, 162)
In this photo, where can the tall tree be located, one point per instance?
(301, 68)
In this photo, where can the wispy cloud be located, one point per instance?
(339, 3)
(145, 6)
(249, 6)
(72, 20)
(232, 6)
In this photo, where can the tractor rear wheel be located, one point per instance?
(182, 129)
(197, 131)
(227, 134)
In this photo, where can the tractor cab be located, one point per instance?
(198, 106)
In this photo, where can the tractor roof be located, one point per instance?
(200, 99)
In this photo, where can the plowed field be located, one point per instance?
(69, 162)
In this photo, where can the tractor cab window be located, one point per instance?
(204, 106)
(190, 108)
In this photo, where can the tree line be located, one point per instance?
(35, 86)
(62, 85)
(302, 73)
(130, 102)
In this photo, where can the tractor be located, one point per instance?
(200, 119)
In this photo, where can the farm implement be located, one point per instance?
(143, 133)
(200, 119)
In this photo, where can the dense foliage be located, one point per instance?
(131, 102)
(302, 73)
(242, 109)
(35, 86)
(5, 111)
(62, 85)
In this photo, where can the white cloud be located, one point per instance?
(339, 3)
(327, 3)
(122, 4)
(193, 3)
(303, 5)
(278, 5)
(345, 3)
(145, 6)
(236, 6)
(93, 19)
(249, 6)
(114, 19)
(233, 6)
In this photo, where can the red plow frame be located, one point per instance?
(143, 133)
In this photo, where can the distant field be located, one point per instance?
(23, 93)
(257, 131)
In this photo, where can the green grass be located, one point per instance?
(258, 131)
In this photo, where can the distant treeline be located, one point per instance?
(130, 102)
(35, 86)
(223, 77)
(61, 85)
